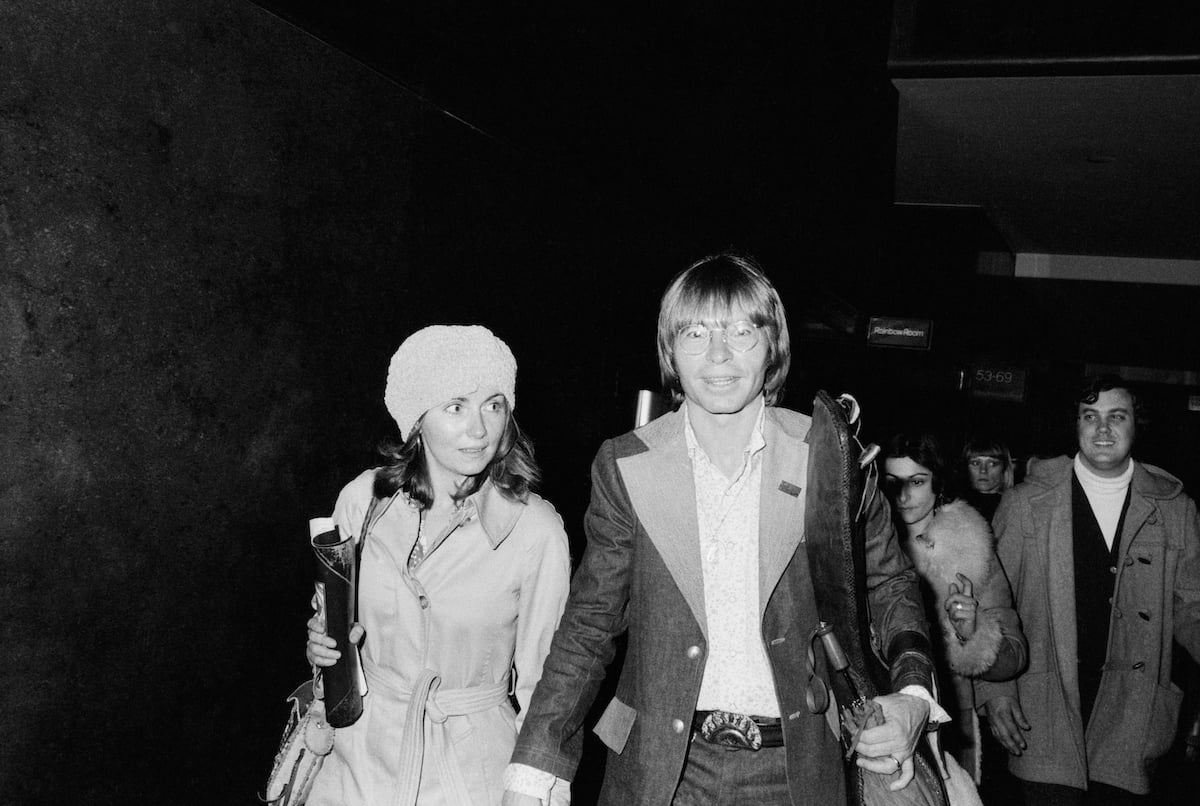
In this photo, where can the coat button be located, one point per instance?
(693, 652)
(424, 600)
(677, 725)
(1112, 569)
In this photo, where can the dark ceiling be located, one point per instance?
(1066, 130)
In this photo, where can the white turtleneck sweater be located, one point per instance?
(1106, 496)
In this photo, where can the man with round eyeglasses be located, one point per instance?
(1103, 553)
(696, 553)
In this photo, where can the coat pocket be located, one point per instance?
(1135, 712)
(614, 725)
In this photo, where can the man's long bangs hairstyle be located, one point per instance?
(709, 290)
(513, 471)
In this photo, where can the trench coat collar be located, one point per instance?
(663, 492)
(498, 514)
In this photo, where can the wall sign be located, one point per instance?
(891, 331)
(997, 382)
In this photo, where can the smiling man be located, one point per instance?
(1103, 553)
(696, 552)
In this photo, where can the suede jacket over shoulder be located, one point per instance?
(641, 575)
(1156, 599)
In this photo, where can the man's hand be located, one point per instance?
(887, 749)
(1008, 723)
(517, 799)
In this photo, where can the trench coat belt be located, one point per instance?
(430, 704)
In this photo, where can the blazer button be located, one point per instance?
(693, 652)
(677, 725)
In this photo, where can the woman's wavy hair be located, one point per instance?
(513, 470)
(708, 290)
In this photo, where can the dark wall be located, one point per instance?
(214, 230)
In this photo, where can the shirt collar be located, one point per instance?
(757, 441)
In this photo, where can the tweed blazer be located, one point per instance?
(641, 576)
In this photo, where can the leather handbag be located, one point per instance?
(307, 740)
(841, 490)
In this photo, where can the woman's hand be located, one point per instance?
(962, 607)
(322, 650)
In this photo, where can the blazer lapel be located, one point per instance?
(781, 509)
(663, 493)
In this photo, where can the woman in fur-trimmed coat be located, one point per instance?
(953, 549)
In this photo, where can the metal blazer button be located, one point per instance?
(677, 725)
(693, 652)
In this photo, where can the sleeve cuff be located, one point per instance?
(937, 714)
(526, 780)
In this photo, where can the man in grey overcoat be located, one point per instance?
(1103, 553)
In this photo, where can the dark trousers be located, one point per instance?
(1096, 795)
(718, 776)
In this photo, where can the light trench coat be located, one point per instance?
(445, 645)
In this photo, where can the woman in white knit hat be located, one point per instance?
(464, 574)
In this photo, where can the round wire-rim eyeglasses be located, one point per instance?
(740, 336)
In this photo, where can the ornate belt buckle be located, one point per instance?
(731, 730)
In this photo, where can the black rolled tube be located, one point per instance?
(337, 573)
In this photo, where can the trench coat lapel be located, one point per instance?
(781, 508)
(663, 493)
(1052, 511)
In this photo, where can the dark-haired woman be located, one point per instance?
(464, 575)
(954, 552)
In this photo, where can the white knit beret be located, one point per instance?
(441, 362)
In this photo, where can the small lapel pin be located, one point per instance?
(789, 488)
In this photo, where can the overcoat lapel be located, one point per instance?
(781, 510)
(663, 493)
(1055, 515)
(1140, 509)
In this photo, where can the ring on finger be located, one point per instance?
(893, 758)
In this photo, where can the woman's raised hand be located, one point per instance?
(962, 607)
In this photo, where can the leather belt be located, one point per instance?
(737, 731)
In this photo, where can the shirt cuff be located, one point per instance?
(526, 780)
(937, 714)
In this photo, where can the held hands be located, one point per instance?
(1008, 723)
(887, 749)
(962, 607)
